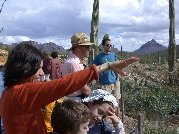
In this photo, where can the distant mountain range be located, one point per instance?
(146, 49)
(149, 48)
(49, 47)
(150, 52)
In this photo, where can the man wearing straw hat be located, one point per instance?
(80, 49)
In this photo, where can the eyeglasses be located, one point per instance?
(86, 46)
(108, 45)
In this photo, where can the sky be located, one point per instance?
(130, 23)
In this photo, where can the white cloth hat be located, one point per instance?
(101, 94)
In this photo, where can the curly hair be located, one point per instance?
(67, 116)
(23, 61)
(104, 40)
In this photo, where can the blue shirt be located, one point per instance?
(107, 77)
(100, 128)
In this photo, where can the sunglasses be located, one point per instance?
(88, 47)
(108, 45)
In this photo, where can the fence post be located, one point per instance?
(139, 124)
(122, 103)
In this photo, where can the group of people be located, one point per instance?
(51, 66)
(80, 110)
(96, 115)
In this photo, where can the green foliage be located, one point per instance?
(7, 47)
(159, 131)
(124, 55)
(155, 100)
(151, 58)
(154, 57)
(64, 56)
(2, 47)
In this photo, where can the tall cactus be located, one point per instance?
(172, 43)
(94, 29)
(158, 57)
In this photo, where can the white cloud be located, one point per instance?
(13, 39)
(130, 23)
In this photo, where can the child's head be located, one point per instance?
(70, 117)
(99, 102)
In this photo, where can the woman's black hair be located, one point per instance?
(23, 61)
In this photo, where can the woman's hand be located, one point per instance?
(119, 65)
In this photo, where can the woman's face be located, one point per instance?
(98, 112)
(37, 77)
(84, 128)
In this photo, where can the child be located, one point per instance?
(70, 117)
(101, 104)
(47, 111)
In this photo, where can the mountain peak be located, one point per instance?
(152, 40)
(150, 47)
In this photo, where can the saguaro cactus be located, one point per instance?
(94, 28)
(172, 43)
(158, 57)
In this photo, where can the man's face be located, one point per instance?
(107, 46)
(84, 50)
(84, 128)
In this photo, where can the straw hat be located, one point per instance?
(80, 39)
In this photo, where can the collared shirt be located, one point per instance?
(70, 65)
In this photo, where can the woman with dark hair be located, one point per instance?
(23, 61)
(24, 95)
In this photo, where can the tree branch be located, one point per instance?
(2, 6)
(1, 29)
(0, 12)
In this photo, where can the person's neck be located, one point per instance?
(106, 52)
(79, 56)
(27, 80)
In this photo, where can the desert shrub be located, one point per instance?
(155, 100)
